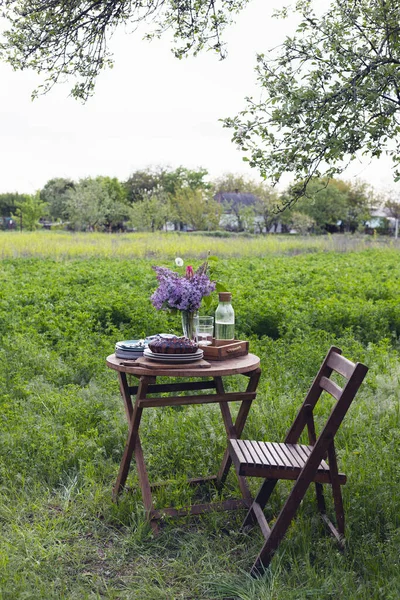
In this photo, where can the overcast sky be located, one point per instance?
(151, 109)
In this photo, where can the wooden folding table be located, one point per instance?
(147, 395)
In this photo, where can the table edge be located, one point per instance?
(230, 366)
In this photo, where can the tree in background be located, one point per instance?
(265, 207)
(62, 39)
(164, 191)
(297, 221)
(330, 91)
(174, 180)
(143, 184)
(324, 204)
(196, 208)
(332, 205)
(151, 213)
(185, 188)
(359, 202)
(55, 193)
(118, 210)
(9, 202)
(90, 206)
(29, 210)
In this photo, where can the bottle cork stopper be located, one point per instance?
(225, 296)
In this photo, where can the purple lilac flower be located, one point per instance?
(179, 292)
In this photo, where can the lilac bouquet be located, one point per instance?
(182, 292)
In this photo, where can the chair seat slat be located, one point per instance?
(258, 452)
(286, 460)
(238, 451)
(296, 457)
(254, 457)
(301, 451)
(247, 455)
(277, 460)
(276, 455)
(269, 459)
(322, 463)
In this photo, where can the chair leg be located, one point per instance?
(281, 524)
(262, 498)
(336, 491)
(320, 498)
(272, 542)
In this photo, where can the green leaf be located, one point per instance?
(220, 287)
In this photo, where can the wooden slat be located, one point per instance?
(302, 451)
(257, 450)
(287, 455)
(331, 387)
(262, 521)
(305, 451)
(333, 530)
(192, 481)
(275, 455)
(247, 456)
(254, 456)
(237, 450)
(198, 509)
(297, 460)
(341, 365)
(284, 459)
(200, 399)
(323, 463)
(270, 458)
(274, 472)
(263, 455)
(173, 387)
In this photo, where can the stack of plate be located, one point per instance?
(131, 349)
(173, 358)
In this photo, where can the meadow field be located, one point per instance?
(65, 299)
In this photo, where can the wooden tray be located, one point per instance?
(224, 349)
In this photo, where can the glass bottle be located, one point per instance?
(224, 318)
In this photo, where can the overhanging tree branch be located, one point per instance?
(68, 38)
(329, 93)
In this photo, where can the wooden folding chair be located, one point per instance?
(303, 463)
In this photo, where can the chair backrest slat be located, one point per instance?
(331, 387)
(341, 365)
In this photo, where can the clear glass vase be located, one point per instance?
(190, 321)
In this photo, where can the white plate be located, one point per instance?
(128, 355)
(173, 358)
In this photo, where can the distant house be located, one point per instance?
(233, 203)
(7, 223)
(236, 198)
(380, 219)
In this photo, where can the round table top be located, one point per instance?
(232, 366)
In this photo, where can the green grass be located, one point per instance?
(62, 245)
(62, 424)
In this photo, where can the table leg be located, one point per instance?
(145, 484)
(234, 431)
(133, 432)
(126, 397)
